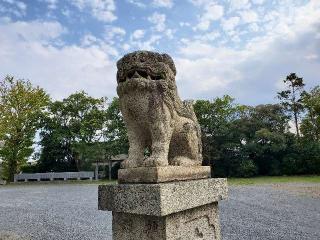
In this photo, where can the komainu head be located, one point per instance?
(145, 69)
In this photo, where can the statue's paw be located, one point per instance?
(129, 163)
(155, 162)
(184, 161)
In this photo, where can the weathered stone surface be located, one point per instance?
(161, 199)
(166, 195)
(155, 117)
(197, 223)
(162, 174)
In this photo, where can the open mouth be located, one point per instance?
(138, 73)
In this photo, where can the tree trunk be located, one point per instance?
(12, 169)
(296, 124)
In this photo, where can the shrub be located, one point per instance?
(247, 168)
(29, 168)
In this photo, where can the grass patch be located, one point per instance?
(273, 179)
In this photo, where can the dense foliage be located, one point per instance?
(238, 140)
(21, 108)
(244, 141)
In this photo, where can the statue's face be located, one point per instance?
(142, 72)
(143, 66)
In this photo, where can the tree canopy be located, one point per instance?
(21, 108)
(72, 133)
(291, 98)
(238, 140)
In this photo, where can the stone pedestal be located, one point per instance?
(162, 174)
(167, 210)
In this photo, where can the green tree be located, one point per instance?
(21, 107)
(56, 153)
(215, 118)
(310, 125)
(72, 132)
(291, 98)
(115, 132)
(247, 168)
(267, 149)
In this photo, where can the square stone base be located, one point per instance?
(162, 174)
(161, 199)
(183, 210)
(196, 223)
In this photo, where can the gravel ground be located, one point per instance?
(70, 212)
(271, 212)
(53, 212)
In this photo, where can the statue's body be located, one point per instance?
(168, 190)
(155, 116)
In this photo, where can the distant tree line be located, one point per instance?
(238, 140)
(245, 141)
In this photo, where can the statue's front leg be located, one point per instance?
(161, 134)
(137, 145)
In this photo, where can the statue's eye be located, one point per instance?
(143, 73)
(130, 74)
(157, 77)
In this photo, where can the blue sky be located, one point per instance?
(239, 47)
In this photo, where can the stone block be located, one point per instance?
(161, 199)
(198, 223)
(162, 174)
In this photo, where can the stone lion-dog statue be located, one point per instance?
(157, 120)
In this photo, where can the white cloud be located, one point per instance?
(248, 16)
(230, 24)
(137, 3)
(102, 10)
(184, 24)
(158, 20)
(198, 49)
(66, 12)
(311, 57)
(26, 52)
(199, 3)
(21, 5)
(126, 47)
(111, 32)
(163, 3)
(43, 32)
(169, 33)
(88, 40)
(211, 36)
(239, 4)
(209, 64)
(52, 4)
(137, 34)
(148, 44)
(254, 27)
(258, 2)
(13, 7)
(210, 69)
(254, 72)
(212, 12)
